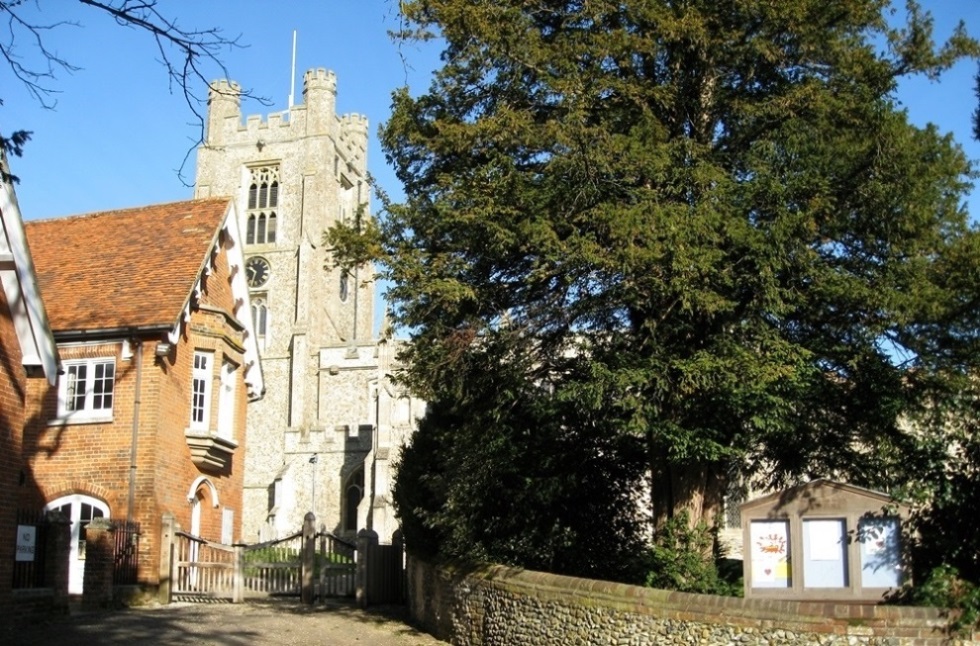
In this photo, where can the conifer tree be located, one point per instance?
(703, 224)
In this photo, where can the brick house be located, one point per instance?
(150, 311)
(27, 354)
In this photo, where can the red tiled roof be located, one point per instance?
(122, 269)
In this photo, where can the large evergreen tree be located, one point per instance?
(705, 224)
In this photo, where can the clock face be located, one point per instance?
(256, 271)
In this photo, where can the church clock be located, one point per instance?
(257, 271)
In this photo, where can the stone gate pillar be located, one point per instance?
(308, 557)
(367, 543)
(168, 526)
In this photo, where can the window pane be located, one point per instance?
(260, 232)
(250, 230)
(199, 389)
(270, 234)
(274, 195)
(102, 386)
(258, 317)
(263, 195)
(252, 192)
(77, 384)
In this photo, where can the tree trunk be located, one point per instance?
(695, 488)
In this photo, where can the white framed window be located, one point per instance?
(201, 377)
(226, 400)
(86, 388)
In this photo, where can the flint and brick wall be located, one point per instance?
(496, 605)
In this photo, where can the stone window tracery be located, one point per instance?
(263, 201)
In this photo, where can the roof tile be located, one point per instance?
(122, 269)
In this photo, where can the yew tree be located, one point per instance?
(705, 224)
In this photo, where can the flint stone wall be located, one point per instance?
(496, 605)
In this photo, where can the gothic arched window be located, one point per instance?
(263, 199)
(260, 318)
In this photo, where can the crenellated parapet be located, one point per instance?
(320, 98)
(315, 116)
(224, 104)
(319, 79)
(353, 140)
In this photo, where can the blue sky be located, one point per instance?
(118, 134)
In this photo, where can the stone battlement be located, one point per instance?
(316, 115)
(319, 78)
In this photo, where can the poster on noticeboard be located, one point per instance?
(770, 554)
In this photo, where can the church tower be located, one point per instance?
(328, 415)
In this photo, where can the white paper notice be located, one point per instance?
(825, 539)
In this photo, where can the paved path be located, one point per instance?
(283, 623)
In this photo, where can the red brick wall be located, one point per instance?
(94, 459)
(12, 385)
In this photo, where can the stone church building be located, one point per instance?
(328, 429)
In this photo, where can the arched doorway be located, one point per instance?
(353, 494)
(80, 510)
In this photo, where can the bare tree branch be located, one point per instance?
(190, 56)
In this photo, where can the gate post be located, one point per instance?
(238, 591)
(367, 541)
(168, 526)
(309, 551)
(398, 566)
(56, 557)
(99, 564)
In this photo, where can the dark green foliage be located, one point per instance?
(700, 225)
(536, 486)
(942, 539)
(943, 587)
(12, 145)
(685, 558)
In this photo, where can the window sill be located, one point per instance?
(67, 420)
(209, 451)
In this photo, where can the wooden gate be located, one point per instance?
(386, 574)
(202, 569)
(335, 566)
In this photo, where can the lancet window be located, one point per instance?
(263, 202)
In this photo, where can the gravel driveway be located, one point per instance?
(284, 623)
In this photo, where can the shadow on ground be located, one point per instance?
(279, 621)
